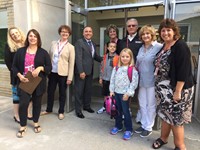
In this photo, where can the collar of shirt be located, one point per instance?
(88, 40)
(59, 42)
(152, 45)
(131, 37)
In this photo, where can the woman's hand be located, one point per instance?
(125, 97)
(178, 89)
(69, 82)
(177, 96)
(22, 78)
(36, 72)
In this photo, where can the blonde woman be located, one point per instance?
(145, 65)
(15, 40)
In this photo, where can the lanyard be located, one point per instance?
(158, 62)
(60, 49)
(127, 42)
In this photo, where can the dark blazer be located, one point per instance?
(83, 57)
(41, 59)
(180, 64)
(8, 58)
(134, 45)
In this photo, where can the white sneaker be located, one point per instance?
(101, 110)
(138, 117)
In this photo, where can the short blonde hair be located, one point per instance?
(150, 29)
(11, 43)
(128, 51)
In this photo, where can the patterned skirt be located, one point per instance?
(174, 113)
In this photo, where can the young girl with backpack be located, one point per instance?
(110, 60)
(122, 88)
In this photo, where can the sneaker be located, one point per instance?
(127, 135)
(101, 110)
(115, 130)
(139, 130)
(145, 133)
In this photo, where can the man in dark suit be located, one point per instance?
(85, 54)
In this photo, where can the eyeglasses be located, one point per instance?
(64, 32)
(132, 25)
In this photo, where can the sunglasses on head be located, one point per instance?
(133, 25)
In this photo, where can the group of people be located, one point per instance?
(160, 72)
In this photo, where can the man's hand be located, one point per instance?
(82, 75)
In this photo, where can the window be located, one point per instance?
(3, 33)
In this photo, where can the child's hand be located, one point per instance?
(112, 94)
(125, 97)
(100, 81)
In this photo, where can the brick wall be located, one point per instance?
(5, 87)
(8, 5)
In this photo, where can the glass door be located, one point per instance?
(77, 21)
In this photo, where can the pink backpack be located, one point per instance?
(111, 106)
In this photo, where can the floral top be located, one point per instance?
(120, 82)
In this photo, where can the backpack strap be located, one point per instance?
(129, 71)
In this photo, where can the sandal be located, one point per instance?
(37, 129)
(20, 133)
(158, 143)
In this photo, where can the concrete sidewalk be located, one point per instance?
(72, 133)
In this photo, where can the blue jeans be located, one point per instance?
(15, 94)
(123, 109)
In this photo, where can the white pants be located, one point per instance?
(147, 104)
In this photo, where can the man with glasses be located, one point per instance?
(132, 39)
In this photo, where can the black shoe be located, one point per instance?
(16, 119)
(90, 110)
(80, 115)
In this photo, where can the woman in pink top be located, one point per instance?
(35, 59)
